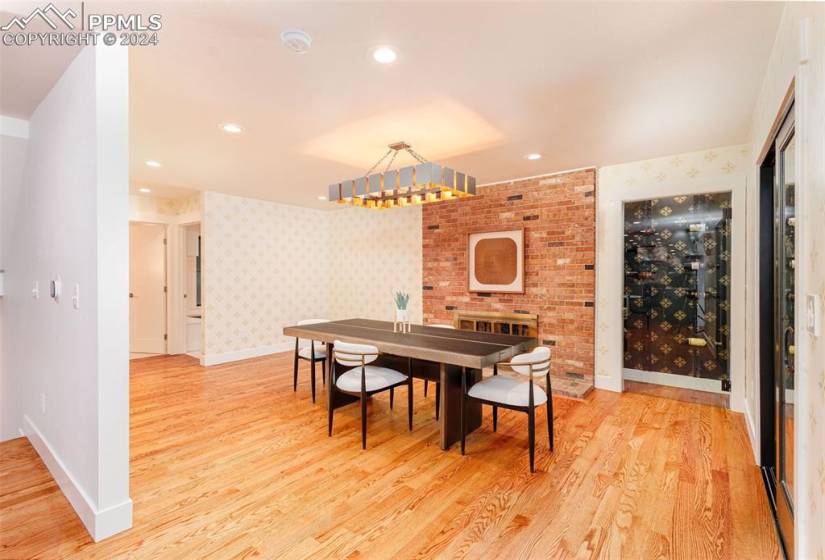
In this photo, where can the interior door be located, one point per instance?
(784, 324)
(147, 288)
(676, 286)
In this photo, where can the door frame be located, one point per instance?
(175, 275)
(770, 171)
(166, 298)
(184, 308)
(669, 379)
(610, 275)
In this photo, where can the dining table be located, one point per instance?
(430, 353)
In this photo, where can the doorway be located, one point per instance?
(193, 292)
(677, 270)
(147, 289)
(777, 271)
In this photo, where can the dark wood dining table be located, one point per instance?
(432, 353)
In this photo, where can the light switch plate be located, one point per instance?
(813, 313)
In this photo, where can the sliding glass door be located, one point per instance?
(784, 273)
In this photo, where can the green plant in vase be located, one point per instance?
(402, 300)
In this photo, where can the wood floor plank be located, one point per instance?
(228, 462)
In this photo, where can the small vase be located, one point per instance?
(401, 315)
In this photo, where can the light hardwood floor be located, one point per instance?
(228, 462)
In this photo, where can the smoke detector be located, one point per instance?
(296, 40)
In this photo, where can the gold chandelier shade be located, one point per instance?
(415, 184)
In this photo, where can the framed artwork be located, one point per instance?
(496, 261)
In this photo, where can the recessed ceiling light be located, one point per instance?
(322, 197)
(384, 55)
(145, 190)
(232, 128)
(533, 157)
(152, 163)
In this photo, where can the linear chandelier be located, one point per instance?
(415, 184)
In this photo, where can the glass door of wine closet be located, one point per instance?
(676, 291)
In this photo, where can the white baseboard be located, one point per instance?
(99, 523)
(215, 359)
(673, 380)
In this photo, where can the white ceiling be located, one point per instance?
(28, 73)
(476, 86)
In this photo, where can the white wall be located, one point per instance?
(14, 134)
(67, 367)
(798, 57)
(713, 170)
(268, 265)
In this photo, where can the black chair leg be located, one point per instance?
(437, 399)
(426, 383)
(531, 434)
(550, 434)
(312, 378)
(331, 393)
(392, 396)
(462, 420)
(495, 408)
(295, 369)
(409, 394)
(363, 421)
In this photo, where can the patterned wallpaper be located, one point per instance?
(374, 253)
(268, 265)
(688, 167)
(812, 206)
(188, 205)
(265, 266)
(151, 208)
(785, 65)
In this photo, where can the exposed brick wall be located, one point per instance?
(558, 214)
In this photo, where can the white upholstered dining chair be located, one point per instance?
(364, 380)
(313, 352)
(515, 394)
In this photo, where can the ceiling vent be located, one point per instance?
(296, 40)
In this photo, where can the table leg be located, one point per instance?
(450, 411)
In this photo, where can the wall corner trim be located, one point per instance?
(99, 523)
(14, 127)
(753, 433)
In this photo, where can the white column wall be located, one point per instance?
(66, 364)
